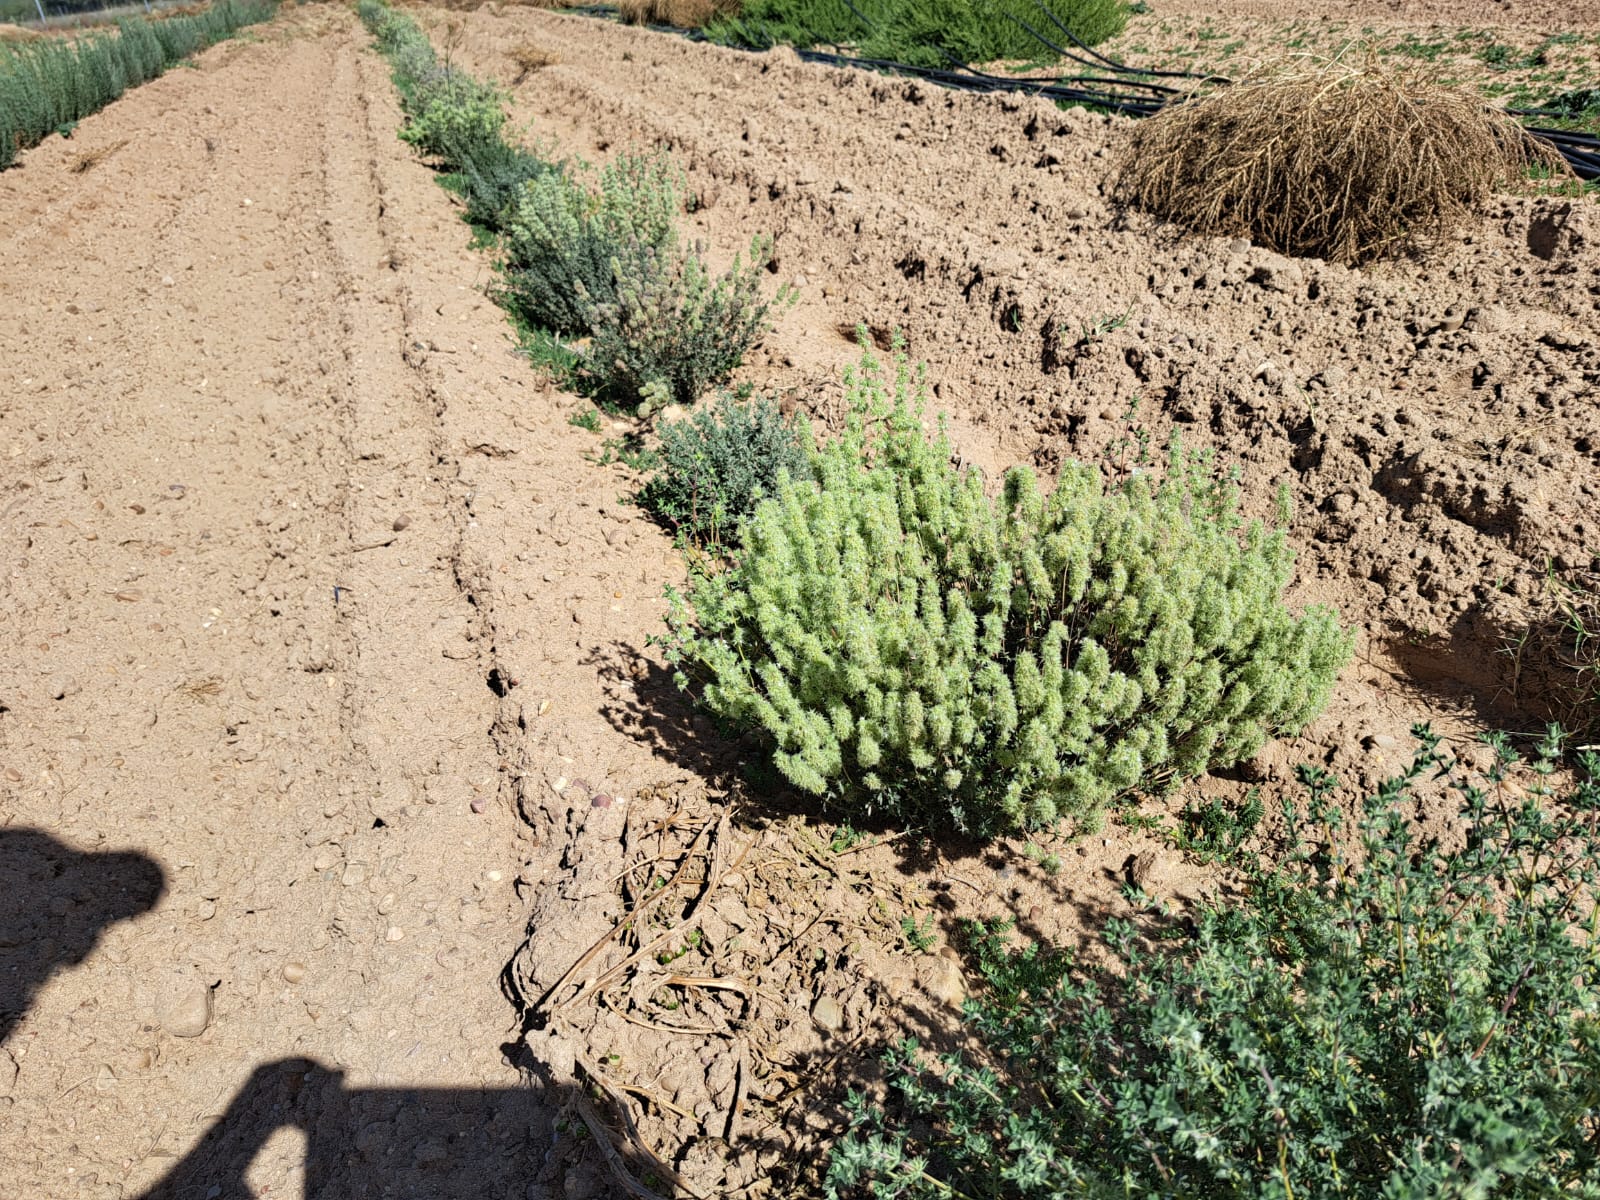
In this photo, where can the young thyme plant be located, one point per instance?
(718, 462)
(670, 329)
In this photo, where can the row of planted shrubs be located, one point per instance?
(51, 83)
(593, 266)
(1375, 1016)
(927, 33)
(1398, 1021)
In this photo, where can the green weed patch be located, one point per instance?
(924, 33)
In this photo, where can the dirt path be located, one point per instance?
(246, 734)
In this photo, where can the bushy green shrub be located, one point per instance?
(923, 32)
(52, 83)
(670, 329)
(915, 649)
(456, 111)
(562, 238)
(1425, 1027)
(493, 173)
(718, 462)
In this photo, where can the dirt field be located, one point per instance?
(330, 720)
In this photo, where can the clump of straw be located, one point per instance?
(1322, 158)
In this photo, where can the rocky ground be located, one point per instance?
(333, 750)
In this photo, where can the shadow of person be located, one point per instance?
(56, 903)
(396, 1143)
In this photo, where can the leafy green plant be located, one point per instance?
(919, 935)
(1095, 330)
(1217, 830)
(845, 837)
(458, 113)
(561, 238)
(718, 462)
(911, 648)
(630, 451)
(1434, 1031)
(587, 419)
(48, 85)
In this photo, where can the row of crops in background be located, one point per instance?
(924, 33)
(49, 84)
(948, 41)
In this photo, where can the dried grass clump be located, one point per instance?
(684, 14)
(1325, 159)
(529, 58)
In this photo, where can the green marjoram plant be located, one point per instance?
(1406, 1023)
(456, 109)
(913, 649)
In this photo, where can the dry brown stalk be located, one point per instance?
(1327, 158)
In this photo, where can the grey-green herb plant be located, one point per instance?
(453, 111)
(912, 648)
(1404, 1023)
(562, 239)
(717, 462)
(669, 328)
(492, 173)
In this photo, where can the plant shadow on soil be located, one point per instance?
(645, 703)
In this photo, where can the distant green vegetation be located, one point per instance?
(923, 32)
(49, 85)
(605, 294)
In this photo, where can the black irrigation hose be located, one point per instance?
(988, 84)
(1580, 150)
(1110, 63)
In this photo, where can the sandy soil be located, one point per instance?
(331, 695)
(1547, 16)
